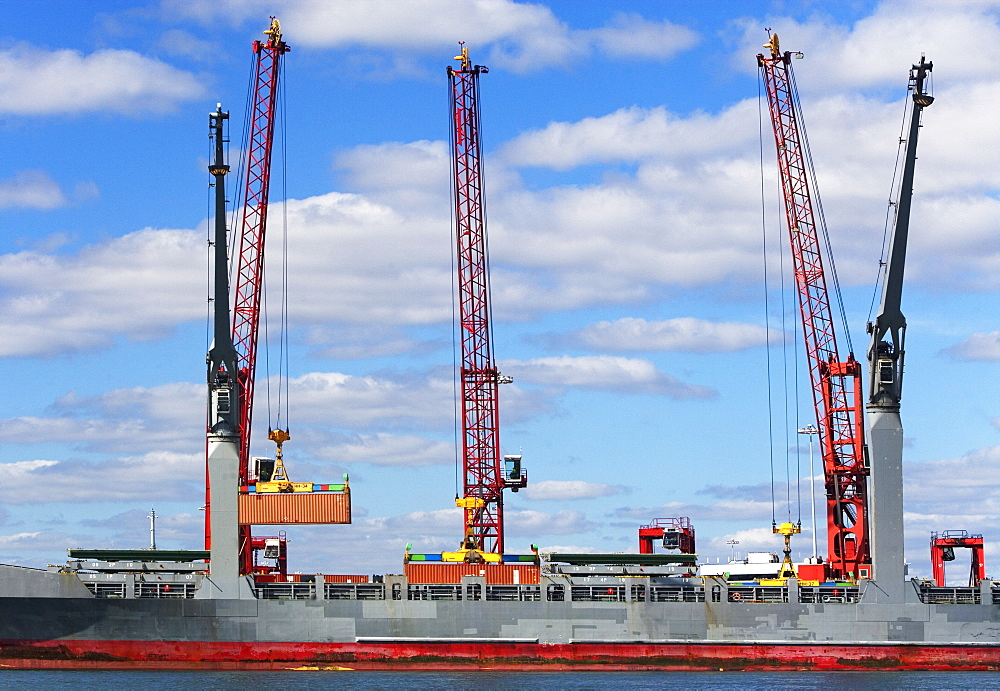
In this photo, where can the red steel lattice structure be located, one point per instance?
(483, 477)
(250, 259)
(836, 384)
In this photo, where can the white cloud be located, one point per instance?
(418, 524)
(60, 302)
(603, 373)
(183, 43)
(963, 36)
(350, 341)
(930, 486)
(979, 346)
(633, 134)
(616, 241)
(33, 189)
(680, 334)
(532, 523)
(367, 401)
(420, 167)
(161, 475)
(519, 36)
(384, 449)
(562, 490)
(632, 36)
(732, 503)
(34, 81)
(17, 540)
(124, 420)
(408, 281)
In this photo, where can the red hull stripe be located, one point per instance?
(269, 655)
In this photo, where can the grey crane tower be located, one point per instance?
(885, 372)
(223, 394)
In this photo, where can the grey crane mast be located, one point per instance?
(223, 390)
(885, 371)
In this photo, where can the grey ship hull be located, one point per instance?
(52, 620)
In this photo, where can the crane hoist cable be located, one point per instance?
(789, 381)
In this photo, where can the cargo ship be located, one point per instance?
(234, 605)
(560, 614)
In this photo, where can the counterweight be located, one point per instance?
(836, 384)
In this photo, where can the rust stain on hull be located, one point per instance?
(502, 656)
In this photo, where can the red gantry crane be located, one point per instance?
(484, 476)
(943, 548)
(673, 533)
(836, 383)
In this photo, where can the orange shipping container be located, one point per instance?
(312, 578)
(297, 508)
(340, 578)
(449, 572)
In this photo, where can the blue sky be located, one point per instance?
(623, 188)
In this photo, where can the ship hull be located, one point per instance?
(52, 620)
(81, 633)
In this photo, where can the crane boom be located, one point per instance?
(836, 383)
(250, 258)
(885, 371)
(484, 479)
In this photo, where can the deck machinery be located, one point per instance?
(943, 548)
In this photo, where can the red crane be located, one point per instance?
(484, 477)
(250, 257)
(673, 533)
(836, 383)
(943, 550)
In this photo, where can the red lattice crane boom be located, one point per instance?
(250, 258)
(836, 383)
(484, 478)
